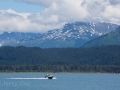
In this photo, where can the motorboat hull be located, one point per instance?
(49, 76)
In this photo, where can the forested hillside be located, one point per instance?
(99, 59)
(112, 38)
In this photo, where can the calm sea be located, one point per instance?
(36, 81)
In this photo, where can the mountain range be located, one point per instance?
(71, 35)
(13, 37)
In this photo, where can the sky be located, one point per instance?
(39, 16)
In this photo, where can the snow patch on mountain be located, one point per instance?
(71, 35)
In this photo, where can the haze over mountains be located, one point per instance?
(71, 35)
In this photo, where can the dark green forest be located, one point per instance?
(34, 59)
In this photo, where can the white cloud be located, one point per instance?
(59, 12)
(20, 22)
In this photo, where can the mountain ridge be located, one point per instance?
(112, 38)
(71, 35)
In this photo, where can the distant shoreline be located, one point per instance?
(59, 69)
(62, 72)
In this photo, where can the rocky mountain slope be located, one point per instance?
(71, 35)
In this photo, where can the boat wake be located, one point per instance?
(31, 78)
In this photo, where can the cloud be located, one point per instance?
(114, 2)
(11, 21)
(59, 12)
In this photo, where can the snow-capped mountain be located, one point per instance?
(71, 35)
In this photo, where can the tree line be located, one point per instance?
(60, 68)
(97, 59)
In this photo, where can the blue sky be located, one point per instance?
(43, 15)
(20, 6)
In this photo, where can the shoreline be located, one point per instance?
(60, 72)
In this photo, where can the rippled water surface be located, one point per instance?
(36, 81)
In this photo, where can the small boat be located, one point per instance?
(49, 76)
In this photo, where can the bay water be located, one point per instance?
(61, 81)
